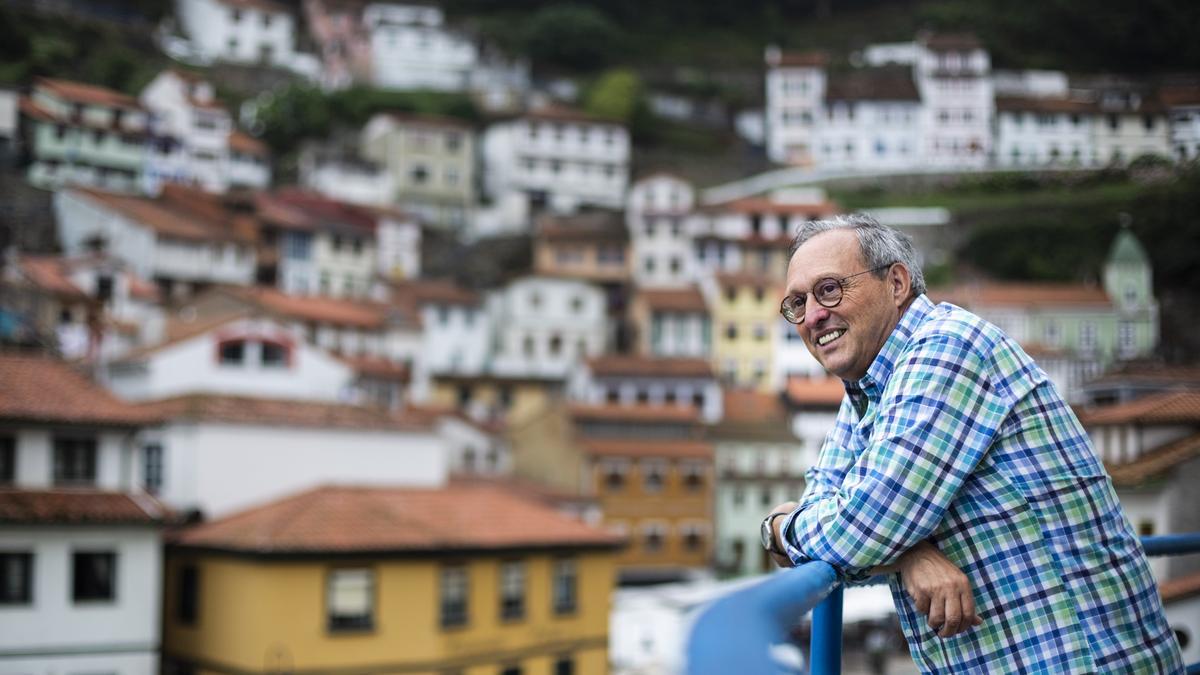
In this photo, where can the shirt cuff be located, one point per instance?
(799, 557)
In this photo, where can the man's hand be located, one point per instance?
(939, 589)
(786, 507)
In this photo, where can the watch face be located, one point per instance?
(767, 533)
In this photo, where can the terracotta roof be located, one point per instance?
(1023, 295)
(178, 214)
(436, 121)
(321, 309)
(261, 5)
(88, 94)
(1173, 407)
(559, 113)
(584, 226)
(79, 507)
(1180, 95)
(674, 300)
(377, 368)
(765, 205)
(614, 412)
(434, 292)
(1147, 372)
(396, 520)
(751, 279)
(889, 83)
(823, 392)
(326, 212)
(177, 330)
(283, 412)
(952, 42)
(638, 366)
(48, 273)
(246, 144)
(642, 448)
(1044, 105)
(144, 290)
(34, 389)
(748, 406)
(1180, 588)
(811, 59)
(1154, 463)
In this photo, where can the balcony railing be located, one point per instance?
(743, 632)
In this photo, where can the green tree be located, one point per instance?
(573, 37)
(615, 95)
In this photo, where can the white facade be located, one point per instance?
(957, 105)
(661, 246)
(1184, 110)
(456, 338)
(354, 182)
(473, 451)
(545, 327)
(148, 254)
(702, 393)
(193, 129)
(270, 362)
(795, 91)
(1128, 129)
(557, 161)
(221, 468)
(398, 246)
(239, 31)
(1034, 134)
(54, 633)
(411, 49)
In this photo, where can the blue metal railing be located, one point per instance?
(738, 633)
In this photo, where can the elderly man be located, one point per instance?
(955, 466)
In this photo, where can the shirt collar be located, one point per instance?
(880, 370)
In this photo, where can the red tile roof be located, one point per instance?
(284, 412)
(434, 292)
(377, 368)
(748, 406)
(674, 300)
(1155, 463)
(873, 84)
(1180, 95)
(946, 42)
(615, 412)
(88, 94)
(79, 507)
(321, 309)
(1173, 407)
(820, 392)
(179, 214)
(34, 389)
(643, 448)
(645, 366)
(48, 274)
(1023, 295)
(246, 144)
(1045, 105)
(589, 226)
(397, 520)
(1180, 588)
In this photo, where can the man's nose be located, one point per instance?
(815, 313)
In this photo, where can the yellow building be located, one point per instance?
(468, 579)
(508, 399)
(745, 316)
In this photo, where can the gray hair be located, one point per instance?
(880, 245)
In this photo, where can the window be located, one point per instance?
(94, 576)
(565, 581)
(350, 598)
(693, 476)
(231, 353)
(576, 304)
(274, 355)
(454, 596)
(731, 331)
(419, 175)
(1126, 336)
(16, 578)
(8, 460)
(74, 461)
(512, 590)
(152, 467)
(693, 537)
(187, 604)
(653, 475)
(614, 475)
(653, 535)
(1087, 335)
(564, 665)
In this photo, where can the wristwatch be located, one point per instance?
(767, 532)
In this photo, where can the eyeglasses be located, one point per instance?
(827, 292)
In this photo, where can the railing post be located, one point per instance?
(825, 643)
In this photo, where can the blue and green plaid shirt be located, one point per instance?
(955, 436)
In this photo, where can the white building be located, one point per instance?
(871, 118)
(412, 49)
(558, 159)
(344, 176)
(546, 327)
(661, 247)
(1132, 123)
(456, 330)
(672, 322)
(953, 74)
(795, 104)
(1183, 106)
(175, 239)
(629, 381)
(192, 128)
(80, 551)
(1045, 132)
(243, 31)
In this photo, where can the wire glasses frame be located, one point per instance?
(827, 292)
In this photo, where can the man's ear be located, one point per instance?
(899, 283)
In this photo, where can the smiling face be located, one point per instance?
(847, 338)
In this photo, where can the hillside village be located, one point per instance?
(250, 424)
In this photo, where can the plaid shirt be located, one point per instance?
(955, 436)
